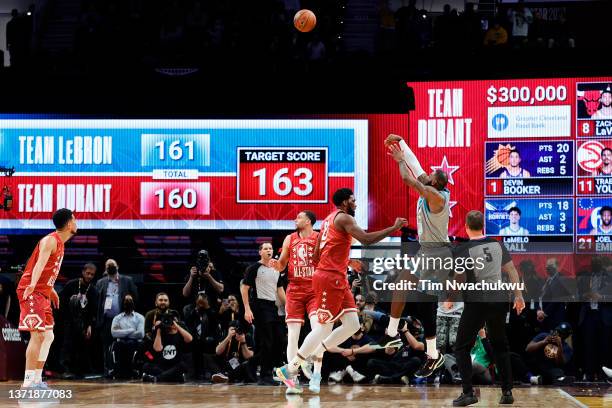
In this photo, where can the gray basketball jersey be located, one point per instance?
(433, 227)
(492, 255)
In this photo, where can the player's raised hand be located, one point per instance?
(273, 263)
(396, 153)
(400, 222)
(392, 139)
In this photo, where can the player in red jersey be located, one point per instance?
(297, 252)
(36, 295)
(333, 296)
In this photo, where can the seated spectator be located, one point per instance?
(230, 311)
(204, 326)
(496, 35)
(481, 359)
(350, 357)
(167, 358)
(162, 305)
(235, 354)
(550, 355)
(403, 362)
(447, 324)
(379, 319)
(127, 329)
(367, 319)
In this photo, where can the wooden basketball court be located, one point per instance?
(97, 394)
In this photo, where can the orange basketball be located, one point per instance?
(304, 20)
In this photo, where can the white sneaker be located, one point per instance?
(337, 376)
(607, 371)
(535, 380)
(355, 375)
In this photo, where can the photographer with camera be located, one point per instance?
(235, 352)
(112, 289)
(549, 356)
(78, 302)
(166, 361)
(128, 331)
(162, 306)
(204, 325)
(229, 311)
(203, 278)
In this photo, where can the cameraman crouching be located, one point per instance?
(235, 353)
(167, 362)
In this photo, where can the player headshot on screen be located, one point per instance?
(605, 222)
(514, 228)
(514, 169)
(606, 163)
(605, 112)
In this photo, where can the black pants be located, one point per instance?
(597, 337)
(396, 368)
(123, 352)
(107, 340)
(269, 336)
(474, 317)
(166, 373)
(74, 355)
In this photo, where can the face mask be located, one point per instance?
(128, 306)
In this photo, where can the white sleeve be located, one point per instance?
(411, 160)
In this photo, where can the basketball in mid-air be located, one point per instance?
(305, 20)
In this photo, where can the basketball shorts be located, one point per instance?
(300, 301)
(36, 313)
(333, 296)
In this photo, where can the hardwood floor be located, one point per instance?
(96, 394)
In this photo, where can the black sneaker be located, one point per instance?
(430, 366)
(464, 400)
(149, 378)
(387, 341)
(506, 398)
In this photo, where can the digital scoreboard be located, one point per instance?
(181, 174)
(543, 148)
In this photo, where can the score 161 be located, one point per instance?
(175, 150)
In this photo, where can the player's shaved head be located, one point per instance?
(474, 220)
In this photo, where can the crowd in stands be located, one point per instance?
(196, 33)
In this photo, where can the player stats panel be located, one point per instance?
(175, 174)
(529, 168)
(531, 224)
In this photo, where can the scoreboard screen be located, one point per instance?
(180, 174)
(543, 148)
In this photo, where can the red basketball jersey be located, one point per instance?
(335, 247)
(50, 271)
(300, 267)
